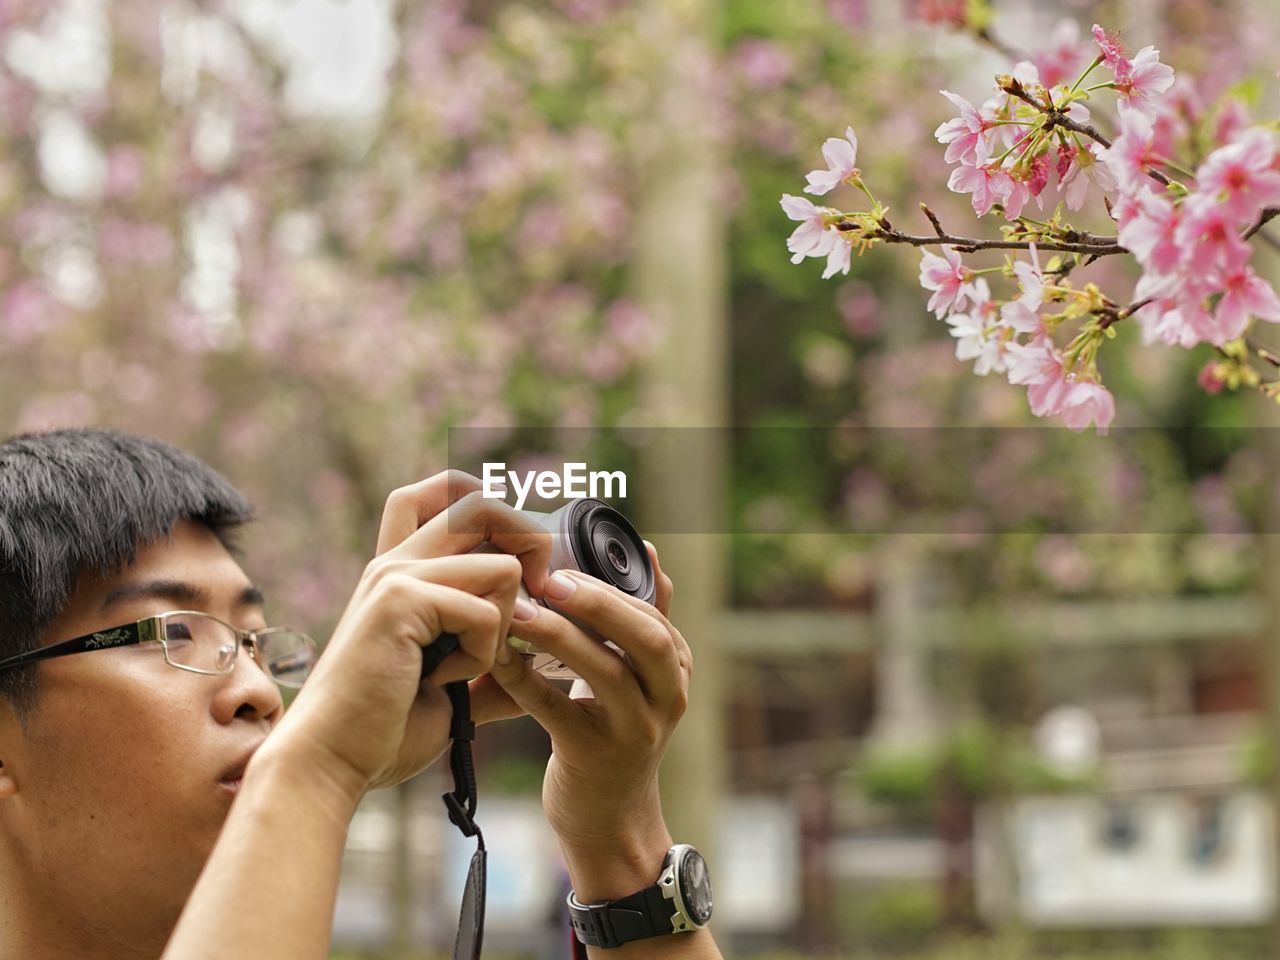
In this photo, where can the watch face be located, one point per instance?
(695, 887)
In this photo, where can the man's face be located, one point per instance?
(116, 793)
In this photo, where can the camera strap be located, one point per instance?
(461, 804)
(461, 801)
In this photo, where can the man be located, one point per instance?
(155, 797)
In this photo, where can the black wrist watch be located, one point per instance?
(680, 902)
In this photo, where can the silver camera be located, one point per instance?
(590, 536)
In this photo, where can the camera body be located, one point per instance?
(590, 536)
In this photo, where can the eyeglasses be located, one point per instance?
(198, 642)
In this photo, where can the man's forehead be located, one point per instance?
(191, 567)
(183, 593)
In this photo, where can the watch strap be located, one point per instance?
(640, 916)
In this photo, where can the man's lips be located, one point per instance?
(234, 773)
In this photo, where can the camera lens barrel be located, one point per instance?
(597, 539)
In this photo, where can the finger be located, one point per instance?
(683, 652)
(489, 702)
(439, 609)
(601, 666)
(474, 520)
(493, 576)
(408, 508)
(534, 694)
(653, 646)
(665, 588)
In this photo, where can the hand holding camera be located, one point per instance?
(600, 790)
(365, 718)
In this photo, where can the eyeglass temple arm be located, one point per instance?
(143, 631)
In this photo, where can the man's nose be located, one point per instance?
(249, 692)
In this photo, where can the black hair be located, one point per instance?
(84, 501)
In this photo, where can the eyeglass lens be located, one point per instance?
(204, 643)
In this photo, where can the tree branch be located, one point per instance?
(1263, 353)
(1101, 246)
(933, 218)
(1267, 216)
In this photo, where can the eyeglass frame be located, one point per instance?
(148, 630)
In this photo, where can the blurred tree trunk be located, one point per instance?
(679, 277)
(905, 715)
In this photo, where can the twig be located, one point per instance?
(1059, 118)
(1104, 246)
(933, 218)
(1113, 316)
(1269, 214)
(1263, 353)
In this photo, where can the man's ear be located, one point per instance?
(9, 728)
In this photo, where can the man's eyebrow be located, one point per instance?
(179, 592)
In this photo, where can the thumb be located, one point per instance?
(489, 702)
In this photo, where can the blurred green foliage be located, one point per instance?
(982, 761)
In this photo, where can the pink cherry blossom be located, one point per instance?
(1026, 73)
(1150, 233)
(1245, 294)
(1147, 79)
(1022, 314)
(1017, 193)
(988, 186)
(1131, 153)
(1112, 52)
(965, 135)
(1064, 59)
(1039, 171)
(1076, 168)
(813, 238)
(1242, 175)
(1179, 108)
(948, 278)
(1002, 137)
(839, 259)
(841, 157)
(1209, 237)
(1179, 320)
(1038, 366)
(1088, 402)
(1209, 380)
(1232, 121)
(977, 335)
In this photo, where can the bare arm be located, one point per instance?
(269, 887)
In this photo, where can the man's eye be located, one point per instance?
(177, 631)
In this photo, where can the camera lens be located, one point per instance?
(617, 556)
(607, 546)
(616, 560)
